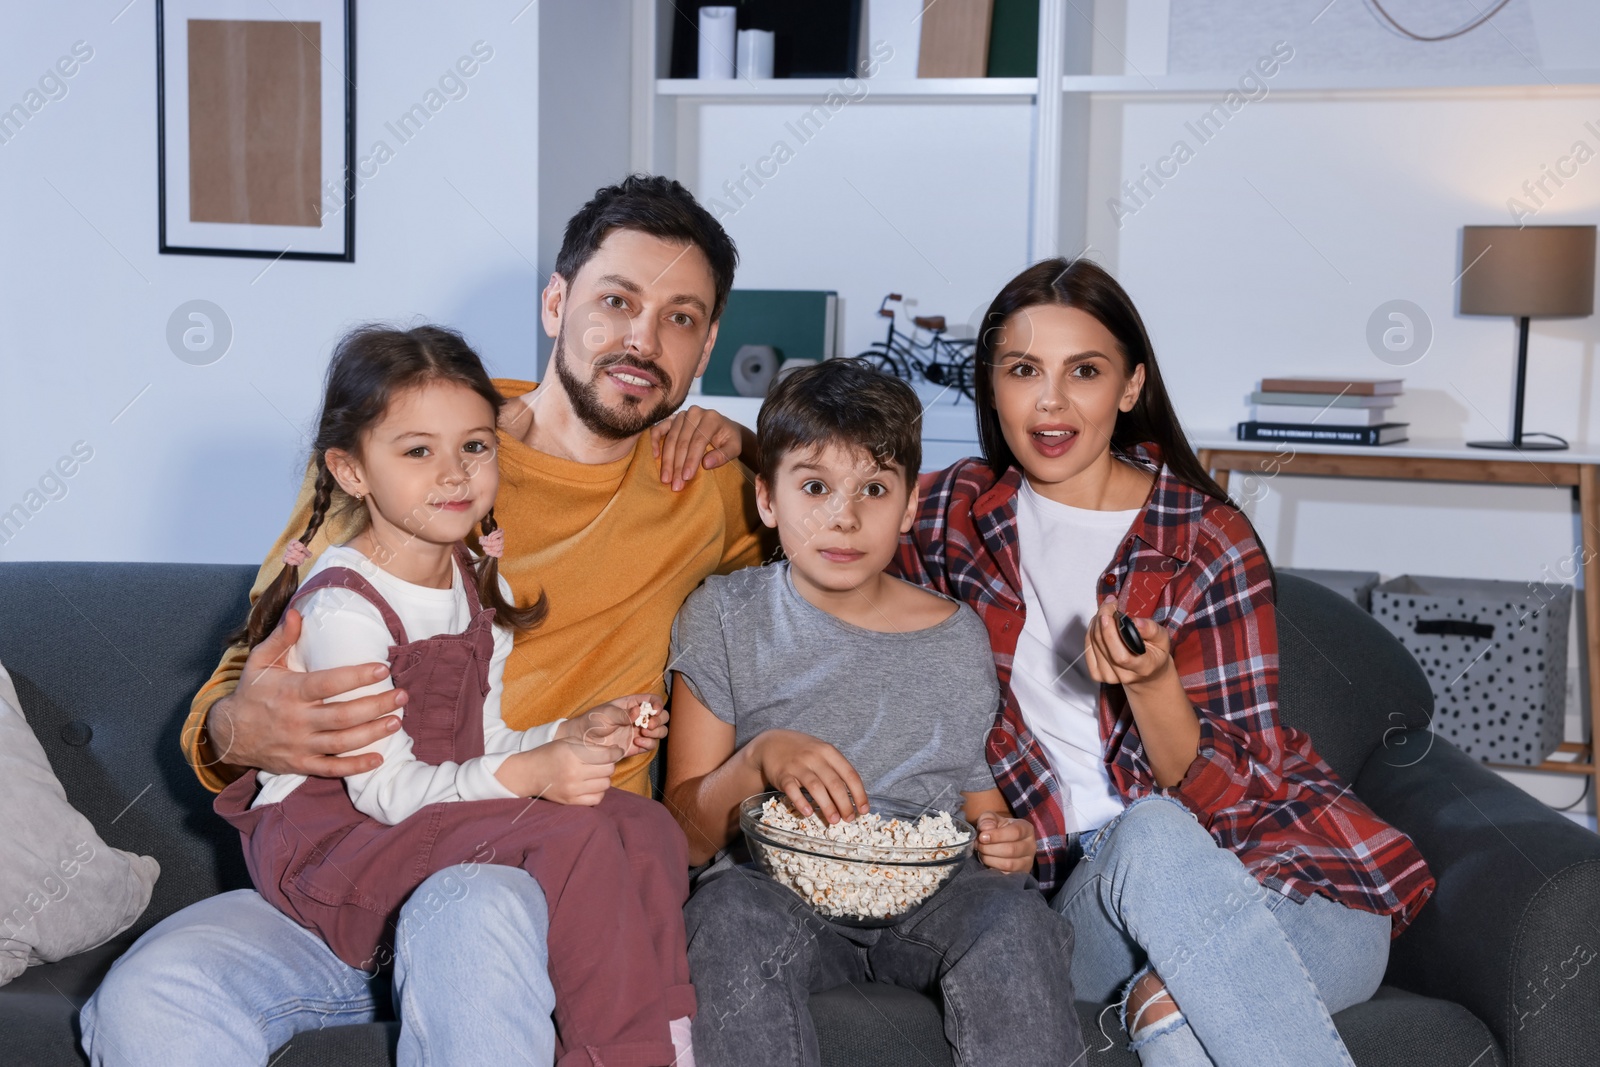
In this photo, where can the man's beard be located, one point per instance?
(585, 395)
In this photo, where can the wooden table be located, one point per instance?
(1438, 460)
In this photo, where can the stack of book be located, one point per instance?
(1340, 411)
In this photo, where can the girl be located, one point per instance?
(407, 435)
(1213, 867)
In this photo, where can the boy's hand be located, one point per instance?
(567, 770)
(1109, 660)
(1005, 844)
(613, 724)
(792, 761)
(693, 438)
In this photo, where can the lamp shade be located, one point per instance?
(1535, 271)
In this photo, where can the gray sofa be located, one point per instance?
(107, 656)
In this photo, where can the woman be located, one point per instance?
(1215, 870)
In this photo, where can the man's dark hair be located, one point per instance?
(842, 402)
(659, 207)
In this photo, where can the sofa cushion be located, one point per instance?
(106, 658)
(1342, 678)
(62, 888)
(39, 1010)
(876, 1025)
(1398, 1028)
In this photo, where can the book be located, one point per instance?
(1014, 39)
(1330, 416)
(1348, 386)
(955, 39)
(1322, 400)
(1387, 434)
(799, 323)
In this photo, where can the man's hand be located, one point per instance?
(1005, 844)
(568, 770)
(613, 724)
(695, 437)
(276, 719)
(792, 761)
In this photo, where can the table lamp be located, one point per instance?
(1527, 271)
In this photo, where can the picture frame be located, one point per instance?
(255, 128)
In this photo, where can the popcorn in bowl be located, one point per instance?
(873, 870)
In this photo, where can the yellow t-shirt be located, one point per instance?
(614, 549)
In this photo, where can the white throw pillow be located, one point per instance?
(62, 889)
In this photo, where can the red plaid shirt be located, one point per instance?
(1192, 564)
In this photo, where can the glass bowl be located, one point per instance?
(855, 884)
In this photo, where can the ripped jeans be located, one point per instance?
(1256, 977)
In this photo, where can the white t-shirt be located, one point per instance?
(1064, 551)
(341, 628)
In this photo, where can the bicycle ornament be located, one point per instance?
(940, 360)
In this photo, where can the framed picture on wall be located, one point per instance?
(255, 105)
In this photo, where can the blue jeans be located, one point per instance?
(1256, 977)
(231, 979)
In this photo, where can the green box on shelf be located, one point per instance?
(1014, 39)
(799, 323)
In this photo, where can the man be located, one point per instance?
(642, 276)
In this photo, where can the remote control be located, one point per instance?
(1130, 634)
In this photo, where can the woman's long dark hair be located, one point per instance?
(371, 366)
(1086, 286)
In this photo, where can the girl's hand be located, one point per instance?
(793, 761)
(612, 724)
(1004, 843)
(1109, 660)
(693, 438)
(566, 770)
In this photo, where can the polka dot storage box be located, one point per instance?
(1495, 654)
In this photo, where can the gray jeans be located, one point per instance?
(986, 945)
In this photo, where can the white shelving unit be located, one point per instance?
(664, 122)
(672, 119)
(896, 89)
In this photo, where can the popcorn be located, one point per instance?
(853, 886)
(647, 711)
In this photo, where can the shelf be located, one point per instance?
(944, 89)
(1341, 82)
(1415, 448)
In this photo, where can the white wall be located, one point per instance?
(585, 71)
(203, 464)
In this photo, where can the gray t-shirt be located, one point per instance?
(910, 711)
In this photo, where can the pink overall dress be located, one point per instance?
(614, 876)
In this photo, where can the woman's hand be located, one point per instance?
(1168, 723)
(612, 724)
(793, 761)
(1004, 843)
(1111, 663)
(696, 437)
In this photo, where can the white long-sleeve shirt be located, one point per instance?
(341, 629)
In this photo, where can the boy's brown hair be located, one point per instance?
(845, 402)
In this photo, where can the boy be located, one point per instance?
(826, 678)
